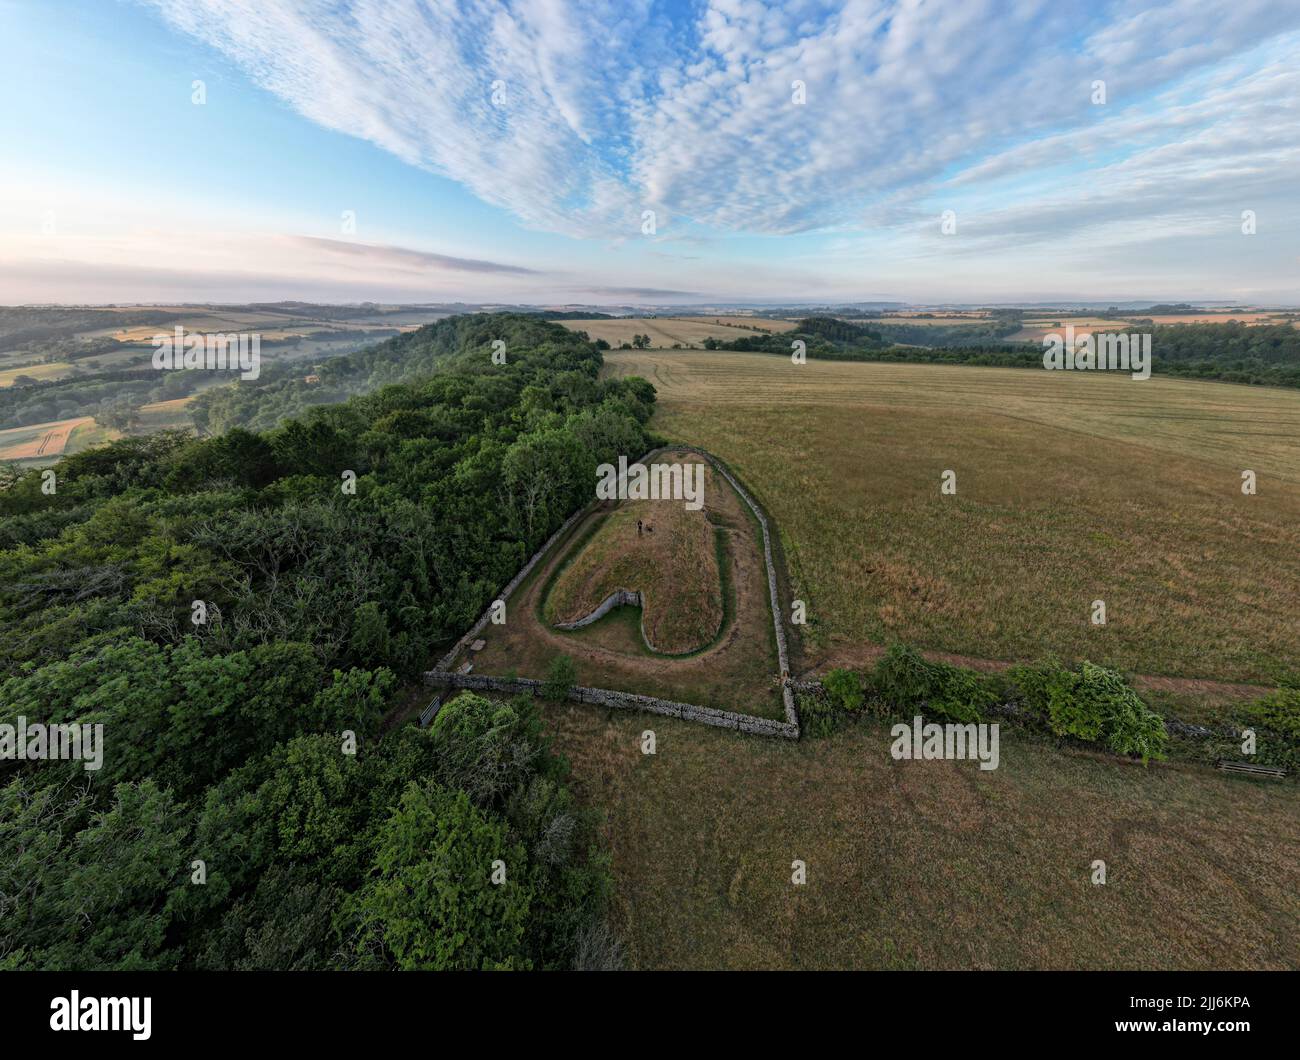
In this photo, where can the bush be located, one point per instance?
(561, 676)
(845, 690)
(431, 901)
(842, 697)
(1093, 704)
(818, 715)
(905, 681)
(1276, 719)
(486, 748)
(356, 700)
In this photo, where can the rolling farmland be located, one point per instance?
(665, 332)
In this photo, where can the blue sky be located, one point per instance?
(513, 151)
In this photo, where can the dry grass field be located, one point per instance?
(929, 864)
(739, 320)
(173, 414)
(40, 372)
(665, 332)
(1071, 487)
(672, 562)
(40, 441)
(44, 443)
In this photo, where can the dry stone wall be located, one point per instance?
(605, 697)
(706, 715)
(617, 598)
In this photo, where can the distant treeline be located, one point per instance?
(832, 339)
(569, 314)
(1260, 354)
(22, 325)
(976, 333)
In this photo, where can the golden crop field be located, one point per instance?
(664, 332)
(40, 441)
(1247, 316)
(41, 372)
(1071, 488)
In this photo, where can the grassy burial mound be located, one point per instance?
(672, 562)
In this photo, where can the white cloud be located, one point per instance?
(609, 109)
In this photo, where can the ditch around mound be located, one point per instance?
(702, 577)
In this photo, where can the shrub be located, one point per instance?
(561, 676)
(1093, 704)
(1050, 692)
(430, 901)
(818, 715)
(1276, 719)
(906, 681)
(485, 747)
(356, 700)
(844, 688)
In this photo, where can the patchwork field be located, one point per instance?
(666, 332)
(39, 372)
(1071, 487)
(929, 864)
(44, 443)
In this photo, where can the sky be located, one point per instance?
(633, 152)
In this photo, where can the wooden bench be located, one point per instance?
(430, 712)
(1250, 769)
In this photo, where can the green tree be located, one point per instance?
(449, 889)
(82, 888)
